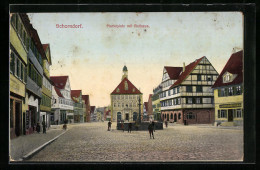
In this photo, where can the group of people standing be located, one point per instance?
(151, 127)
(38, 128)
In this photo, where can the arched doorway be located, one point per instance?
(171, 116)
(179, 116)
(134, 116)
(118, 116)
(167, 117)
(175, 117)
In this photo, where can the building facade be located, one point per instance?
(125, 100)
(187, 96)
(76, 96)
(228, 92)
(36, 55)
(19, 46)
(62, 104)
(87, 106)
(156, 104)
(93, 113)
(45, 107)
(150, 108)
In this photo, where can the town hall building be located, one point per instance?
(125, 100)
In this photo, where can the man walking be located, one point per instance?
(153, 125)
(150, 128)
(43, 127)
(109, 125)
(129, 127)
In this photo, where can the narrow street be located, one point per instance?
(92, 142)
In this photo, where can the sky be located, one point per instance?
(94, 54)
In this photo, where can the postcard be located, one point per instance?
(126, 87)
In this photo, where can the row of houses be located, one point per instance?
(197, 94)
(34, 94)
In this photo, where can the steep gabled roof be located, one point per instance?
(235, 66)
(107, 113)
(58, 92)
(59, 81)
(75, 93)
(188, 69)
(86, 98)
(173, 72)
(33, 33)
(92, 108)
(150, 96)
(131, 88)
(45, 47)
(146, 106)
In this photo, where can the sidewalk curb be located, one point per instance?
(30, 154)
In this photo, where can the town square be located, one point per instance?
(124, 87)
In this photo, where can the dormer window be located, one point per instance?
(133, 89)
(126, 85)
(117, 90)
(228, 77)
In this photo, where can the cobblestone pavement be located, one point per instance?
(22, 145)
(92, 142)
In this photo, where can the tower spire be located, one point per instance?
(125, 72)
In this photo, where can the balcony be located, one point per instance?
(33, 87)
(35, 62)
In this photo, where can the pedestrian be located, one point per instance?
(150, 128)
(38, 127)
(153, 125)
(109, 125)
(166, 123)
(122, 126)
(129, 127)
(43, 127)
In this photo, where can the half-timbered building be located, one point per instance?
(187, 96)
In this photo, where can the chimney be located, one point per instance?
(183, 67)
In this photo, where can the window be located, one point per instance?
(198, 89)
(22, 67)
(179, 101)
(173, 91)
(238, 90)
(171, 116)
(209, 78)
(198, 100)
(12, 63)
(170, 102)
(130, 105)
(18, 67)
(122, 104)
(169, 92)
(238, 113)
(178, 89)
(174, 101)
(190, 115)
(230, 91)
(179, 116)
(222, 113)
(189, 100)
(164, 94)
(188, 88)
(126, 96)
(126, 85)
(199, 77)
(117, 90)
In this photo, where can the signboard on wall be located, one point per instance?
(230, 105)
